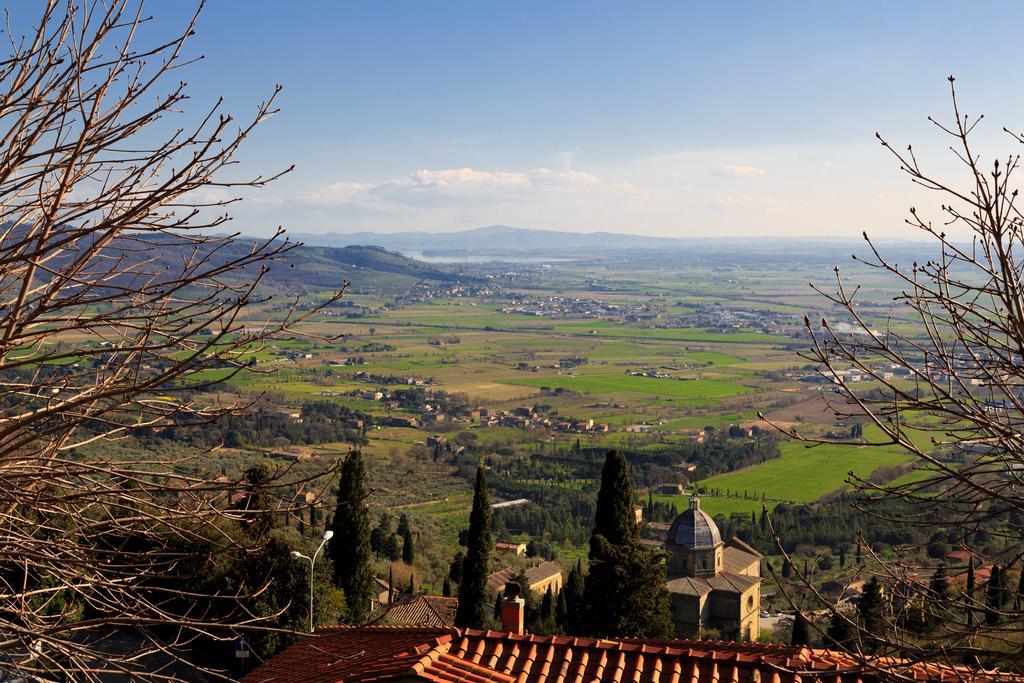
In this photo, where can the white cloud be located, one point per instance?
(749, 171)
(337, 193)
(427, 186)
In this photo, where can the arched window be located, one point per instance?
(750, 602)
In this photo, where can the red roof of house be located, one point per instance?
(368, 654)
(423, 610)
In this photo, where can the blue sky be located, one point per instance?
(656, 118)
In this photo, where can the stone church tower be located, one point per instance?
(694, 543)
(713, 585)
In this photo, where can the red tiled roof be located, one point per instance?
(424, 610)
(351, 654)
(368, 654)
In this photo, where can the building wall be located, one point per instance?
(695, 562)
(688, 613)
(541, 587)
(750, 624)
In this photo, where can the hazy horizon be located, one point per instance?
(662, 119)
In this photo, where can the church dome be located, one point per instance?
(694, 529)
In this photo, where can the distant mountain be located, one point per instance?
(495, 238)
(501, 242)
(329, 262)
(292, 272)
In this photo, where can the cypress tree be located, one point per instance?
(613, 516)
(574, 605)
(995, 596)
(939, 584)
(412, 584)
(408, 550)
(1018, 598)
(403, 525)
(839, 633)
(455, 568)
(624, 591)
(392, 548)
(547, 606)
(870, 611)
(969, 591)
(350, 550)
(472, 610)
(562, 612)
(446, 588)
(380, 534)
(842, 555)
(800, 634)
(257, 502)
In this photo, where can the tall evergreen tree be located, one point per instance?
(574, 605)
(446, 588)
(800, 634)
(995, 595)
(1018, 598)
(472, 610)
(561, 612)
(871, 612)
(350, 550)
(545, 621)
(969, 592)
(840, 632)
(392, 548)
(624, 591)
(380, 534)
(455, 568)
(403, 525)
(613, 516)
(408, 549)
(842, 555)
(939, 584)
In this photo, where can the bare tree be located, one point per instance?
(117, 307)
(946, 373)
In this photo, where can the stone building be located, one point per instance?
(713, 585)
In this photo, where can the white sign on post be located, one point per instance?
(241, 647)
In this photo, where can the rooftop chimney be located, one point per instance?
(513, 609)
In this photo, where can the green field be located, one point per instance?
(715, 505)
(802, 474)
(611, 384)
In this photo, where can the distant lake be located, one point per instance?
(482, 258)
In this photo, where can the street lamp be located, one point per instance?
(296, 555)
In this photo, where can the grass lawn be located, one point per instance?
(715, 505)
(803, 475)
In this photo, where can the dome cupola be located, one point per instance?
(694, 529)
(694, 543)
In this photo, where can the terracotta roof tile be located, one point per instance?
(423, 610)
(369, 654)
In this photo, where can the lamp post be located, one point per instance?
(296, 555)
